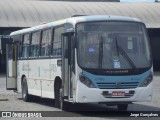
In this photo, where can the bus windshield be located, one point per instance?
(113, 45)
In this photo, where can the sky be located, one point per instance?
(137, 0)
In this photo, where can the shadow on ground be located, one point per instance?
(97, 110)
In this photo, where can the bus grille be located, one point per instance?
(117, 85)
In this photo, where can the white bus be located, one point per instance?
(82, 59)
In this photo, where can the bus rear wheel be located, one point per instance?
(59, 101)
(25, 96)
(122, 107)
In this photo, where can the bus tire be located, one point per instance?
(122, 107)
(25, 96)
(57, 88)
(64, 105)
(59, 101)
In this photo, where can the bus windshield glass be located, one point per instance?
(113, 45)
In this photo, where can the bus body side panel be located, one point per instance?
(40, 74)
(34, 83)
(22, 69)
(45, 76)
(55, 71)
(19, 87)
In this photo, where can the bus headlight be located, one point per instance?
(147, 81)
(86, 81)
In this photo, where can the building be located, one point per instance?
(157, 0)
(18, 14)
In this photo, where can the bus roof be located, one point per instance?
(74, 20)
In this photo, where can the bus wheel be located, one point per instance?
(122, 107)
(59, 102)
(25, 96)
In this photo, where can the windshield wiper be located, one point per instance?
(100, 52)
(124, 54)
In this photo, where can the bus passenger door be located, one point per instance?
(11, 67)
(67, 86)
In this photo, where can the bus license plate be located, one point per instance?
(118, 93)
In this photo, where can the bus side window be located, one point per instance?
(25, 46)
(57, 50)
(35, 44)
(46, 43)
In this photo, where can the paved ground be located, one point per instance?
(10, 101)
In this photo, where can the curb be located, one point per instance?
(3, 99)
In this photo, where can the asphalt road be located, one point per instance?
(10, 101)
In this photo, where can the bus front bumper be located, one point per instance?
(96, 95)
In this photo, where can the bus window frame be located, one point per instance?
(25, 58)
(39, 44)
(63, 26)
(49, 56)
